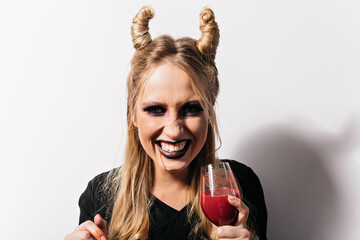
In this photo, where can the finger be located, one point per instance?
(91, 227)
(243, 210)
(101, 223)
(231, 232)
(214, 230)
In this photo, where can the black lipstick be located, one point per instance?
(173, 155)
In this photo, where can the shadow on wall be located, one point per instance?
(294, 168)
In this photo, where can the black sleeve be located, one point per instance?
(86, 204)
(252, 196)
(92, 201)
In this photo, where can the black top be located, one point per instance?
(169, 223)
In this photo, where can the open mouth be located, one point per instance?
(173, 150)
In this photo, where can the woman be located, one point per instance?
(172, 89)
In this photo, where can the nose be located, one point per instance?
(172, 127)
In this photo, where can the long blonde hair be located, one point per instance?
(131, 186)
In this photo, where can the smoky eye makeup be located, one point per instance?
(193, 108)
(154, 110)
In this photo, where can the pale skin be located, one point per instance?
(169, 111)
(89, 230)
(239, 230)
(174, 116)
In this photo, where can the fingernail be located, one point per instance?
(103, 238)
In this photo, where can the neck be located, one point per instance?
(170, 179)
(172, 188)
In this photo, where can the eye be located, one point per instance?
(155, 110)
(191, 109)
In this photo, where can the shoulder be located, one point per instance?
(235, 164)
(247, 178)
(239, 168)
(98, 183)
(98, 180)
(93, 189)
(95, 198)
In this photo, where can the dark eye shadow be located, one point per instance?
(155, 110)
(192, 108)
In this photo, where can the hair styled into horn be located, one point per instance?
(210, 35)
(140, 27)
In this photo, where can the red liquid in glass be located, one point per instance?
(217, 208)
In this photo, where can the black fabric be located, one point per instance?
(168, 223)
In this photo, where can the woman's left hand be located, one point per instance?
(239, 230)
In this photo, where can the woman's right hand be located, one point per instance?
(89, 230)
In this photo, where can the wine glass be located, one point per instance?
(217, 181)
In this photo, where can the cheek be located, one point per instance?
(198, 128)
(147, 127)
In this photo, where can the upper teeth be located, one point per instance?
(173, 147)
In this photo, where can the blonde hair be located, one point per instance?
(131, 186)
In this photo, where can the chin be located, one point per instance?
(175, 165)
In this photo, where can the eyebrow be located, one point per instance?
(153, 103)
(192, 102)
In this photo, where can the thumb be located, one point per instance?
(101, 223)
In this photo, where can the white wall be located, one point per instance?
(289, 106)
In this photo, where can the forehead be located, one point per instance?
(168, 83)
